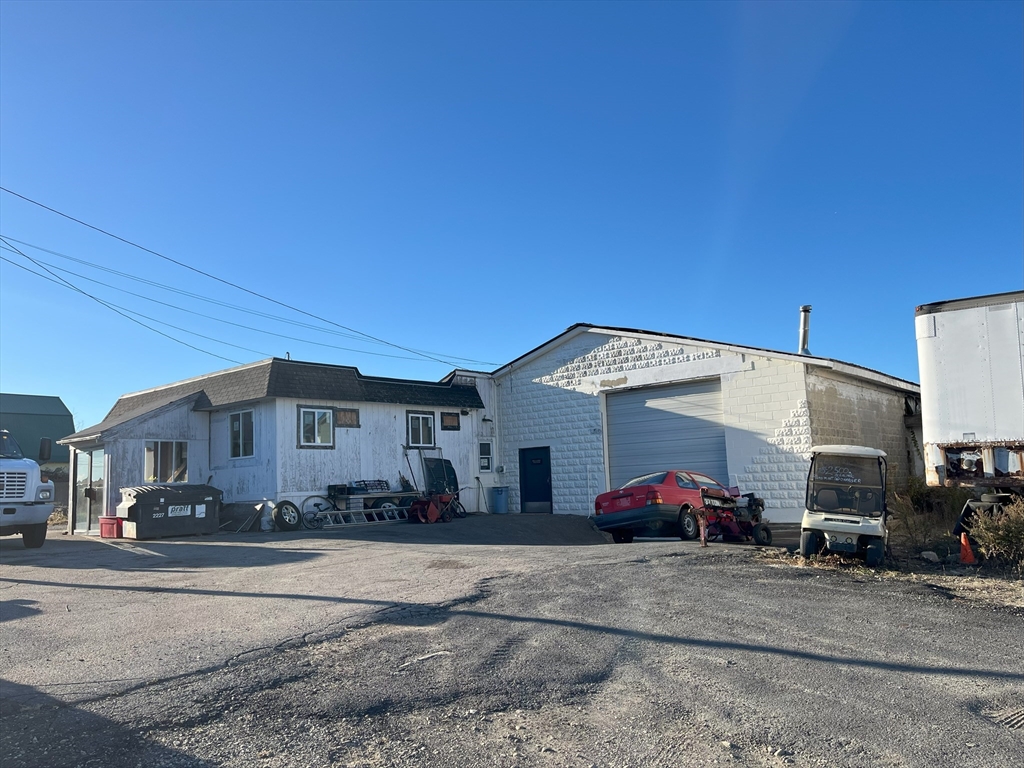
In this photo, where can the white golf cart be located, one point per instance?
(845, 510)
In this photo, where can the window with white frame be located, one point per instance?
(486, 456)
(316, 427)
(420, 429)
(241, 435)
(166, 461)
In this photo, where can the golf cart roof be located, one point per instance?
(848, 450)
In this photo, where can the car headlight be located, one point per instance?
(44, 494)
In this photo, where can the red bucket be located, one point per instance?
(110, 527)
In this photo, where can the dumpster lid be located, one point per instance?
(182, 492)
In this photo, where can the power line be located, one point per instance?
(227, 305)
(222, 280)
(203, 315)
(112, 308)
(139, 314)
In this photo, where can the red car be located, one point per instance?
(665, 504)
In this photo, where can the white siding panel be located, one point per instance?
(670, 427)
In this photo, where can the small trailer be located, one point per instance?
(373, 501)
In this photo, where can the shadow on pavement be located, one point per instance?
(400, 613)
(41, 732)
(90, 553)
(478, 530)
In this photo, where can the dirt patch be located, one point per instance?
(956, 582)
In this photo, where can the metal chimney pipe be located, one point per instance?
(805, 328)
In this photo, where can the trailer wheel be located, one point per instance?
(688, 527)
(810, 543)
(384, 504)
(287, 517)
(622, 536)
(875, 553)
(762, 535)
(33, 536)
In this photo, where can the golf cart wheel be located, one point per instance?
(810, 543)
(622, 536)
(762, 535)
(33, 536)
(689, 528)
(875, 554)
(287, 517)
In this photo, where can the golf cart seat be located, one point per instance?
(827, 499)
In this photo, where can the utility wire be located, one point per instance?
(222, 280)
(179, 308)
(139, 314)
(225, 304)
(112, 308)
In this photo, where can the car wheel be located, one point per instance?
(689, 528)
(875, 553)
(762, 535)
(287, 517)
(810, 543)
(622, 536)
(33, 536)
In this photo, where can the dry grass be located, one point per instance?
(957, 582)
(1000, 536)
(59, 518)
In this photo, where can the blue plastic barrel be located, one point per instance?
(498, 499)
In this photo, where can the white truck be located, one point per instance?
(970, 354)
(26, 495)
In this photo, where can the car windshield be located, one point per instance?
(850, 484)
(655, 478)
(9, 448)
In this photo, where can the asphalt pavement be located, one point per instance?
(495, 640)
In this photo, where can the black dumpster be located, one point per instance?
(154, 511)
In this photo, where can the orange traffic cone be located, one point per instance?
(966, 554)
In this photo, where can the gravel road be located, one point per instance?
(492, 641)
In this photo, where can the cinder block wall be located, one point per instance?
(539, 406)
(768, 434)
(846, 412)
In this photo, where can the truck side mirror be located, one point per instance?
(45, 447)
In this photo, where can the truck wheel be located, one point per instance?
(810, 543)
(33, 536)
(762, 535)
(287, 517)
(622, 536)
(688, 527)
(875, 554)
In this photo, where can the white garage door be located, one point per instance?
(678, 426)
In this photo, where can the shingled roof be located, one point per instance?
(275, 377)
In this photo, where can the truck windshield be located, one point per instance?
(848, 484)
(9, 448)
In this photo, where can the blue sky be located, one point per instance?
(470, 179)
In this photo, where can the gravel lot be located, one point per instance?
(496, 640)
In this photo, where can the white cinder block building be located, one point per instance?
(596, 406)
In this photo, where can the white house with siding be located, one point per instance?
(274, 430)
